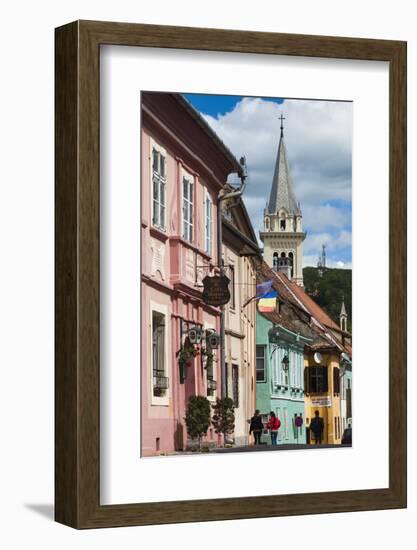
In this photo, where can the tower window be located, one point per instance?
(282, 225)
(275, 260)
(291, 256)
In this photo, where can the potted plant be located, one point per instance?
(224, 416)
(197, 417)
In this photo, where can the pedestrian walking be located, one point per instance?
(273, 426)
(256, 427)
(317, 427)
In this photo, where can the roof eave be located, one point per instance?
(209, 131)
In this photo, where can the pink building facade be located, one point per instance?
(184, 167)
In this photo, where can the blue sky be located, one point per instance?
(215, 105)
(318, 135)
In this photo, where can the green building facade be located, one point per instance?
(280, 378)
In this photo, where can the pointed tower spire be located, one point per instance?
(343, 316)
(282, 233)
(282, 126)
(282, 194)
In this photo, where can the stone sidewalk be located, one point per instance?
(284, 447)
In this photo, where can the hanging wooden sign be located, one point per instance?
(216, 290)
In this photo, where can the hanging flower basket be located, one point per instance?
(209, 358)
(185, 354)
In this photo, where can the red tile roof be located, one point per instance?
(321, 324)
(278, 319)
(309, 303)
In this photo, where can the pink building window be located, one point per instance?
(188, 208)
(160, 380)
(158, 188)
(209, 227)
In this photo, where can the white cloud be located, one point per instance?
(344, 239)
(315, 241)
(333, 242)
(319, 217)
(318, 135)
(339, 264)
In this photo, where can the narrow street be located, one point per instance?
(289, 447)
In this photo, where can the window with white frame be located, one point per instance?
(209, 225)
(260, 363)
(188, 207)
(274, 362)
(158, 187)
(296, 369)
(160, 380)
(232, 302)
(292, 368)
(235, 385)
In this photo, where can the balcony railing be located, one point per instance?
(211, 385)
(160, 382)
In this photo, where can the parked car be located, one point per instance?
(347, 437)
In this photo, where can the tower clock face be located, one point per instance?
(317, 357)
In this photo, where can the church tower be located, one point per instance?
(282, 234)
(343, 317)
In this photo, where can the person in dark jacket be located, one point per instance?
(317, 427)
(256, 427)
(273, 426)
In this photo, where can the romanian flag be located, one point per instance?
(262, 290)
(268, 302)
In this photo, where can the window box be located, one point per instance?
(160, 383)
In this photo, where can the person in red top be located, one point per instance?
(273, 426)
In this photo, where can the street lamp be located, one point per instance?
(285, 367)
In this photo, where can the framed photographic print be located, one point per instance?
(230, 274)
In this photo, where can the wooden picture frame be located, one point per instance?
(77, 405)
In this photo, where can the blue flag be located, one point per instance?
(263, 289)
